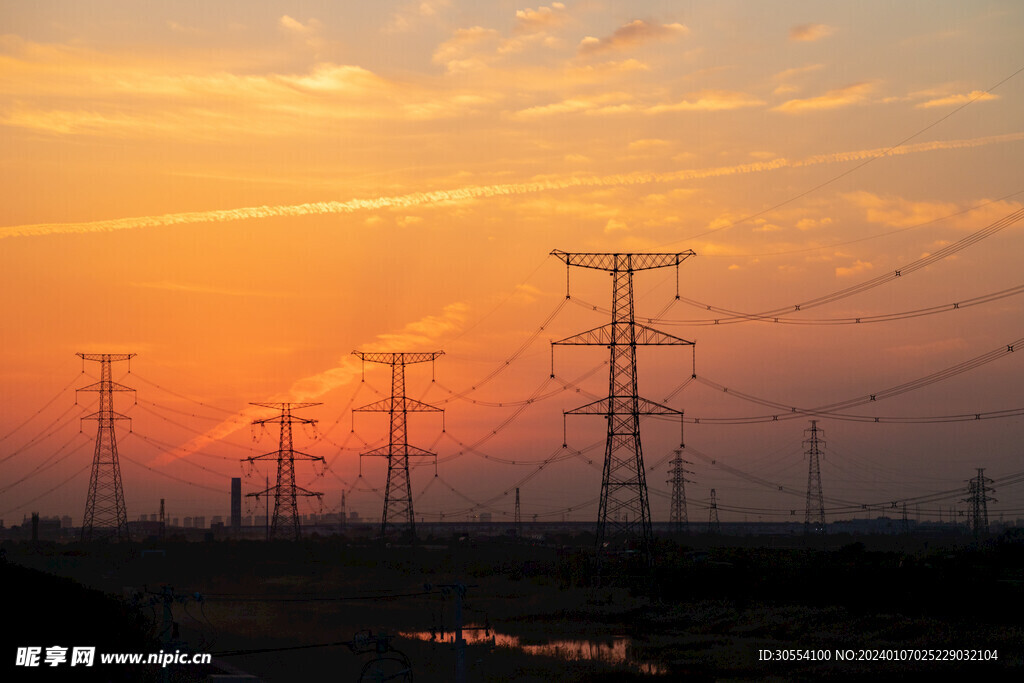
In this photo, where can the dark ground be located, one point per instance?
(704, 612)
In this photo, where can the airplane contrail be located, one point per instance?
(483, 191)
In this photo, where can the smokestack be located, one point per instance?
(236, 503)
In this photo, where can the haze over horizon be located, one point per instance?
(245, 193)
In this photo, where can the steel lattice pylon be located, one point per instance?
(285, 523)
(398, 510)
(517, 518)
(978, 489)
(624, 513)
(105, 513)
(814, 514)
(677, 506)
(714, 526)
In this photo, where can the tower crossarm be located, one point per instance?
(620, 262)
(643, 335)
(400, 449)
(409, 405)
(604, 406)
(392, 358)
(104, 386)
(106, 356)
(106, 415)
(274, 455)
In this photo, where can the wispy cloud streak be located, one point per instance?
(419, 334)
(475, 192)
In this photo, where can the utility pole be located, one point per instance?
(398, 510)
(978, 489)
(163, 519)
(714, 526)
(517, 518)
(286, 508)
(814, 515)
(677, 506)
(624, 512)
(105, 513)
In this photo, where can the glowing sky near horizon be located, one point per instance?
(243, 193)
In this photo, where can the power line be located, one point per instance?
(856, 168)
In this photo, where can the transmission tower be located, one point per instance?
(977, 495)
(285, 523)
(398, 512)
(624, 512)
(814, 515)
(677, 507)
(714, 526)
(517, 518)
(105, 513)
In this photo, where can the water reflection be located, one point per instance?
(614, 651)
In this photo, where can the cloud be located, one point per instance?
(473, 192)
(621, 102)
(811, 223)
(467, 48)
(409, 17)
(905, 213)
(200, 289)
(939, 346)
(709, 100)
(810, 32)
(75, 91)
(612, 102)
(833, 99)
(296, 26)
(647, 144)
(899, 212)
(614, 225)
(785, 78)
(629, 35)
(951, 100)
(541, 19)
(857, 267)
(418, 335)
(789, 74)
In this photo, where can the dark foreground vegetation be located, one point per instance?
(705, 611)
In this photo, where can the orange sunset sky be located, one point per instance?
(242, 193)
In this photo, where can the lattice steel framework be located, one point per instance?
(677, 505)
(398, 517)
(624, 513)
(105, 513)
(517, 518)
(285, 522)
(814, 513)
(714, 526)
(978, 489)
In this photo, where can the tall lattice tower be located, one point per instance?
(677, 506)
(714, 526)
(285, 522)
(814, 514)
(978, 489)
(105, 513)
(517, 518)
(624, 512)
(398, 517)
